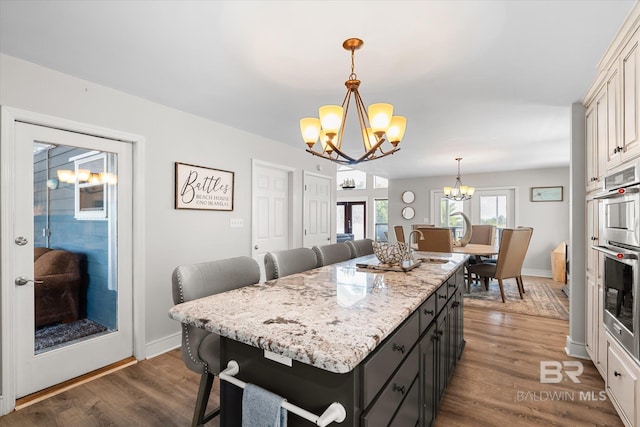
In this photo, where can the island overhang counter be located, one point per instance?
(342, 333)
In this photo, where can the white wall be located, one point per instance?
(550, 220)
(173, 237)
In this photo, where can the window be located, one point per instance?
(493, 210)
(351, 219)
(455, 222)
(380, 182)
(348, 175)
(382, 220)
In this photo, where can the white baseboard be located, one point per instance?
(157, 347)
(576, 349)
(537, 273)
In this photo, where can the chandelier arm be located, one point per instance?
(363, 120)
(326, 157)
(341, 154)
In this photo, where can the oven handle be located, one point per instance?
(615, 193)
(616, 254)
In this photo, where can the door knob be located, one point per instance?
(21, 241)
(255, 247)
(21, 281)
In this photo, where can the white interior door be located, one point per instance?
(317, 210)
(92, 217)
(271, 210)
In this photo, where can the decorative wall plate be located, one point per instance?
(408, 196)
(408, 212)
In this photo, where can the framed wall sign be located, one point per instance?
(203, 188)
(546, 194)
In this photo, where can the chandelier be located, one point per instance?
(375, 124)
(458, 192)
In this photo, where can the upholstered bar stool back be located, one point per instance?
(331, 254)
(399, 232)
(200, 349)
(284, 263)
(360, 247)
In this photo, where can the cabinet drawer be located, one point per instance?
(409, 412)
(427, 312)
(451, 286)
(621, 382)
(393, 394)
(378, 369)
(442, 294)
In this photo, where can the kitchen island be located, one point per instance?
(381, 343)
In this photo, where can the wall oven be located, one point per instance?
(619, 217)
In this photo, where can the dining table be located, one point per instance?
(478, 251)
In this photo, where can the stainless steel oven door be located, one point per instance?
(619, 217)
(620, 281)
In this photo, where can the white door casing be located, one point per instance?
(271, 210)
(317, 208)
(13, 264)
(36, 372)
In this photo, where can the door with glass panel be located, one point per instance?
(495, 207)
(351, 219)
(73, 287)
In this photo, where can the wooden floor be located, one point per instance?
(496, 383)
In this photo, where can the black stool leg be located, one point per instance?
(199, 416)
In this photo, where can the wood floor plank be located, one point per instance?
(494, 384)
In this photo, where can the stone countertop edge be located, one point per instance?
(331, 317)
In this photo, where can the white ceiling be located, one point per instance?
(489, 81)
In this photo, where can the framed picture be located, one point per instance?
(546, 194)
(202, 188)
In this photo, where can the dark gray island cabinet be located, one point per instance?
(383, 347)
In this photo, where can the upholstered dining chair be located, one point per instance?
(201, 349)
(436, 239)
(513, 249)
(291, 261)
(360, 247)
(483, 234)
(399, 231)
(333, 253)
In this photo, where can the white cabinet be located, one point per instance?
(630, 77)
(591, 149)
(623, 386)
(611, 151)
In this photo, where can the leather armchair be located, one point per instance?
(57, 286)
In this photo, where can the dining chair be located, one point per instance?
(483, 234)
(416, 227)
(291, 261)
(436, 239)
(399, 230)
(200, 348)
(513, 249)
(360, 247)
(333, 253)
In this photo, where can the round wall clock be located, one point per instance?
(408, 212)
(408, 196)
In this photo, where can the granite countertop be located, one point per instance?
(331, 317)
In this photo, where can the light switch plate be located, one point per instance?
(236, 223)
(426, 220)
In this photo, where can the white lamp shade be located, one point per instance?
(331, 118)
(369, 138)
(396, 129)
(310, 129)
(323, 140)
(83, 174)
(380, 116)
(470, 191)
(447, 191)
(66, 176)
